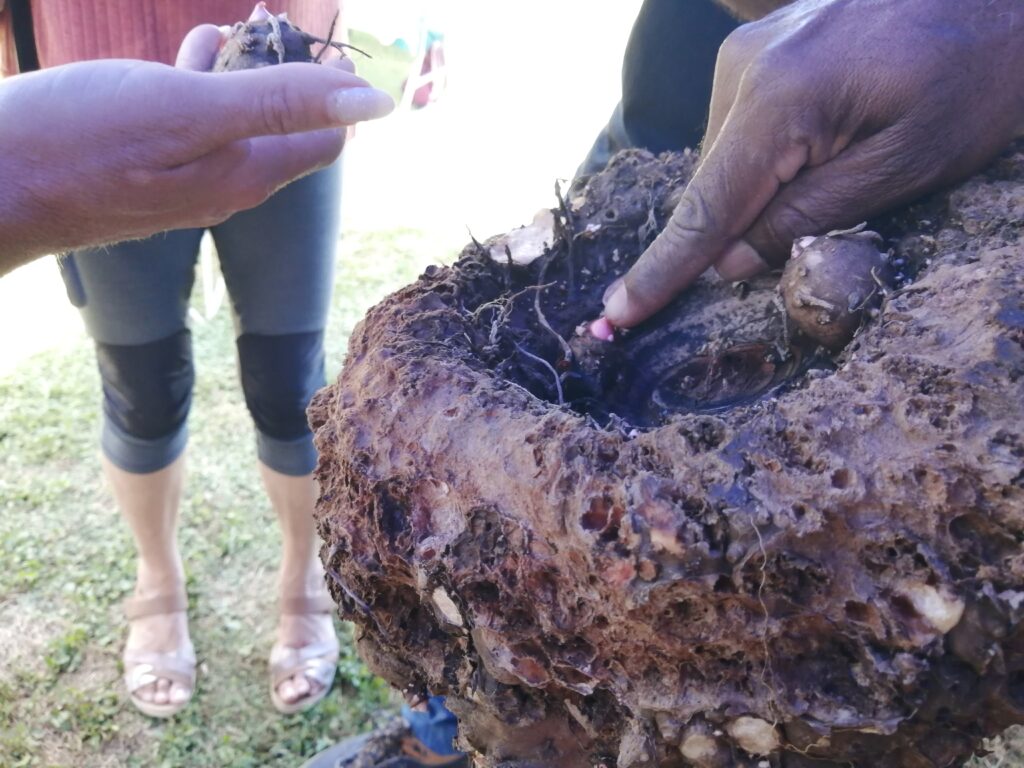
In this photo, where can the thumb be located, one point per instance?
(282, 99)
(200, 47)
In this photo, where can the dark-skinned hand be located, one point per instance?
(828, 112)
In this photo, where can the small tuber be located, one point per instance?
(831, 281)
(266, 39)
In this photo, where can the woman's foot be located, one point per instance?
(305, 657)
(159, 661)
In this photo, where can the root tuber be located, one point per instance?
(262, 42)
(831, 281)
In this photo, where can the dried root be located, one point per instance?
(274, 40)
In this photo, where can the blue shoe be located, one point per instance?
(391, 746)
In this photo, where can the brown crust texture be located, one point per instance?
(255, 44)
(709, 555)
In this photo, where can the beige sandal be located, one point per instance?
(317, 662)
(142, 668)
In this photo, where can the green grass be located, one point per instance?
(68, 561)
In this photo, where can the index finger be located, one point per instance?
(754, 154)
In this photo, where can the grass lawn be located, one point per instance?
(68, 561)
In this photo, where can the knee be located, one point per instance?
(280, 375)
(147, 388)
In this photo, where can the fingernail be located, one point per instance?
(351, 105)
(611, 289)
(602, 329)
(616, 304)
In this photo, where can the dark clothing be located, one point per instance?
(667, 72)
(278, 264)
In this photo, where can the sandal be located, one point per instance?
(318, 662)
(143, 668)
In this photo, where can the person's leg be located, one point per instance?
(301, 574)
(149, 504)
(278, 262)
(133, 298)
(667, 72)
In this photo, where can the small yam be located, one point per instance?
(267, 39)
(831, 281)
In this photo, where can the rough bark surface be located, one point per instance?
(726, 548)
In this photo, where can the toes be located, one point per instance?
(146, 692)
(179, 694)
(296, 688)
(163, 691)
(286, 690)
(301, 686)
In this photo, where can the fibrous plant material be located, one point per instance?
(727, 547)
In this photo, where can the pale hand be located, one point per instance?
(102, 151)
